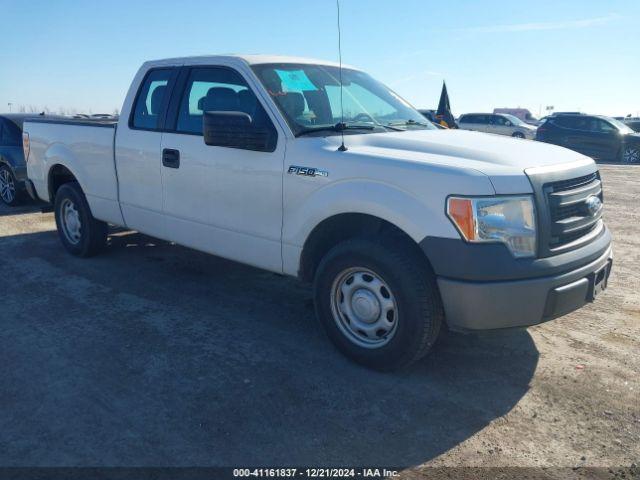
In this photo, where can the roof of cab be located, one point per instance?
(253, 59)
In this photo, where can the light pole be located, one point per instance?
(10, 104)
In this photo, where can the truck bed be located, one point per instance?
(85, 147)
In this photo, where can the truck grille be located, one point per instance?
(570, 216)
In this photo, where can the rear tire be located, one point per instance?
(80, 233)
(378, 302)
(11, 193)
(517, 135)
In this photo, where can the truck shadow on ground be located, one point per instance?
(26, 207)
(156, 355)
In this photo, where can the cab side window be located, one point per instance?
(601, 126)
(216, 89)
(151, 100)
(566, 121)
(473, 118)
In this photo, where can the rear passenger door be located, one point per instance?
(138, 140)
(483, 123)
(571, 131)
(225, 201)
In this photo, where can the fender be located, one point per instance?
(60, 154)
(387, 202)
(101, 194)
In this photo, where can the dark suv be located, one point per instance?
(601, 138)
(634, 124)
(13, 170)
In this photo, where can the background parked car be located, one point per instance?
(13, 170)
(633, 123)
(521, 113)
(501, 123)
(431, 116)
(599, 137)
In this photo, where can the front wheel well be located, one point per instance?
(334, 230)
(58, 176)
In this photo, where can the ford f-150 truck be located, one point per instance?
(293, 166)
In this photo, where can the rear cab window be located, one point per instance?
(151, 100)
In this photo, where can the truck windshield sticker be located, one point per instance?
(295, 81)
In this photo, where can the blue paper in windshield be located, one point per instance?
(295, 81)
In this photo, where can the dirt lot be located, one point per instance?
(152, 354)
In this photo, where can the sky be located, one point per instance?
(574, 55)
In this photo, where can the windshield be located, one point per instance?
(309, 98)
(515, 120)
(620, 126)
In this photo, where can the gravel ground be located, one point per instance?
(156, 355)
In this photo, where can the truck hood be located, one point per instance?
(503, 159)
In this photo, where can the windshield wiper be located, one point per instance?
(338, 127)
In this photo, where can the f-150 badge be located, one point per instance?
(307, 171)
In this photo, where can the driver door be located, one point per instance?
(225, 201)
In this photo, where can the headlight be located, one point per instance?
(509, 219)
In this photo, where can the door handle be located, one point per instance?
(171, 158)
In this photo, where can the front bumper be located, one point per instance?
(523, 300)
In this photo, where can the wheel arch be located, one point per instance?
(343, 226)
(58, 175)
(9, 161)
(371, 206)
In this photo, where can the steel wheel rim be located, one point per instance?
(631, 155)
(70, 220)
(364, 307)
(7, 186)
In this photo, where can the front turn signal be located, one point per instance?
(460, 210)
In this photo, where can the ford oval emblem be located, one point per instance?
(594, 204)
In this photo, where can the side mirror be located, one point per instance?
(236, 130)
(509, 124)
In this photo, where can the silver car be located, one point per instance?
(499, 123)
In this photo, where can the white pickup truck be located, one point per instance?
(400, 226)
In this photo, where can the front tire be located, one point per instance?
(10, 191)
(517, 135)
(80, 233)
(378, 302)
